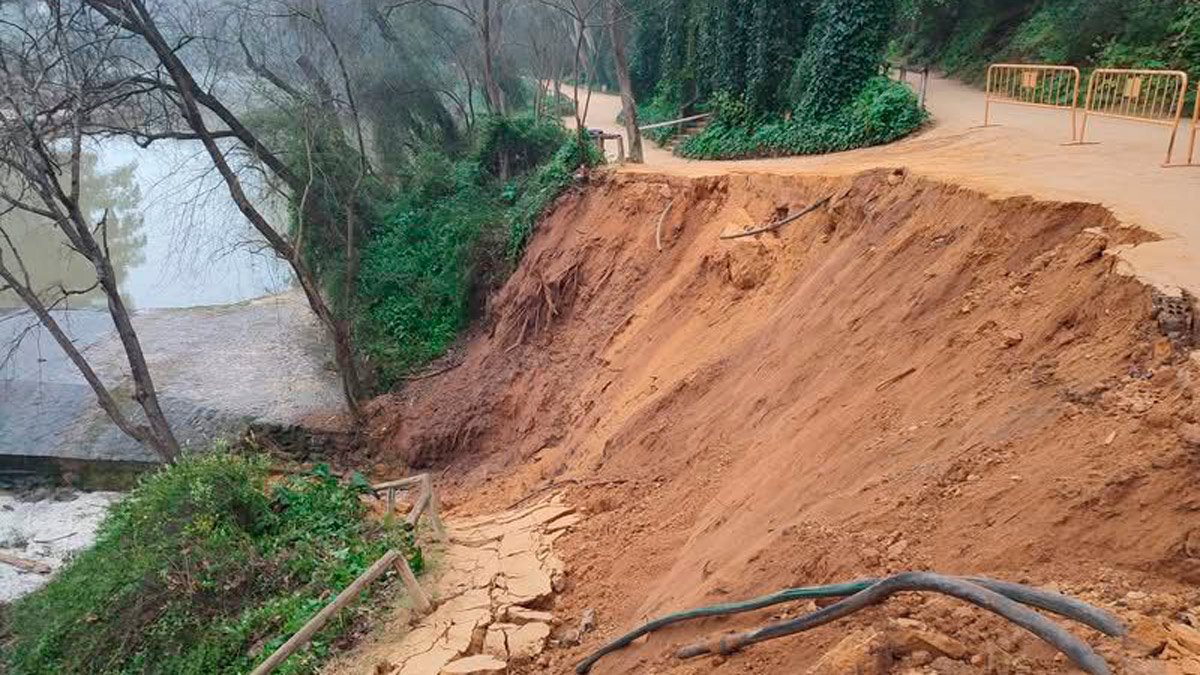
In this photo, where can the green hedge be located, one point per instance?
(882, 112)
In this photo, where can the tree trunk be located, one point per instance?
(163, 444)
(495, 97)
(618, 28)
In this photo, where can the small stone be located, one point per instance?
(587, 622)
(946, 666)
(1189, 435)
(1012, 338)
(907, 638)
(921, 658)
(522, 615)
(526, 642)
(897, 549)
(862, 652)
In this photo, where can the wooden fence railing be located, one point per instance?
(426, 502)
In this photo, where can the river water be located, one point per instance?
(176, 236)
(213, 309)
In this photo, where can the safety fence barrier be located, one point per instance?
(1148, 96)
(1195, 128)
(1038, 86)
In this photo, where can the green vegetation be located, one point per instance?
(883, 111)
(964, 36)
(779, 78)
(451, 235)
(204, 568)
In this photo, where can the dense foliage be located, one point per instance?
(883, 111)
(203, 569)
(779, 78)
(845, 50)
(963, 36)
(450, 234)
(685, 51)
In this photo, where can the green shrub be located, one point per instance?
(416, 272)
(882, 112)
(202, 569)
(450, 238)
(546, 184)
(845, 49)
(527, 141)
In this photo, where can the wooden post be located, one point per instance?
(315, 624)
(418, 509)
(391, 502)
(925, 86)
(420, 598)
(435, 514)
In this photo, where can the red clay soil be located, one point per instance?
(916, 377)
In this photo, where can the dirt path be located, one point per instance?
(1024, 156)
(493, 582)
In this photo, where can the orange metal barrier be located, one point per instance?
(1151, 96)
(1034, 85)
(1195, 127)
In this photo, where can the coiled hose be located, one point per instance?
(865, 592)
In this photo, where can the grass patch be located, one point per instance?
(204, 568)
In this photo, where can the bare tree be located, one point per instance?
(585, 16)
(486, 19)
(53, 68)
(172, 80)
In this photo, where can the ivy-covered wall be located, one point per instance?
(781, 78)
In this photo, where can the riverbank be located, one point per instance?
(217, 369)
(46, 528)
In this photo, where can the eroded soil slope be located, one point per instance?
(916, 377)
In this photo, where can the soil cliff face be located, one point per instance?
(913, 377)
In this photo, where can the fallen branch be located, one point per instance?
(435, 373)
(658, 228)
(894, 379)
(54, 539)
(776, 225)
(35, 566)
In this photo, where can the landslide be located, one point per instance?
(915, 377)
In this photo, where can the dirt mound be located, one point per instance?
(915, 377)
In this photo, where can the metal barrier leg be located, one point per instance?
(1171, 144)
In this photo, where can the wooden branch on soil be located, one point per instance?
(658, 228)
(24, 564)
(776, 225)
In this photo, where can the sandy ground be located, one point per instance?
(46, 531)
(1024, 155)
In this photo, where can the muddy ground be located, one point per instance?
(915, 377)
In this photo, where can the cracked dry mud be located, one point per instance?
(494, 582)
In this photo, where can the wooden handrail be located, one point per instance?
(681, 120)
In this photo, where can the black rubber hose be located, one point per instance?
(1075, 649)
(1034, 597)
(1056, 603)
